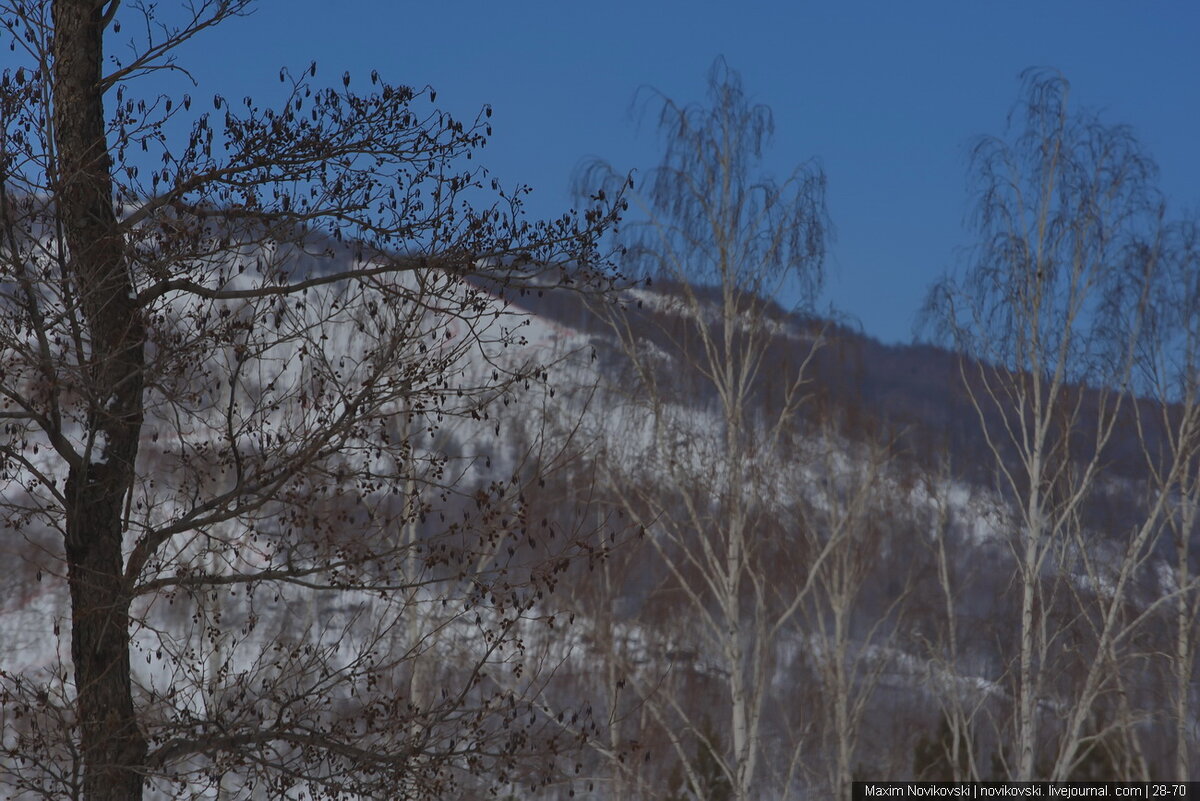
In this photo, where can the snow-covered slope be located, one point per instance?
(565, 436)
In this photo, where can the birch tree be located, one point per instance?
(722, 242)
(1048, 316)
(848, 521)
(1169, 434)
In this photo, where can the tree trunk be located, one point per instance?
(1184, 617)
(1031, 656)
(1027, 708)
(113, 747)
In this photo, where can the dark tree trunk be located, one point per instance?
(114, 749)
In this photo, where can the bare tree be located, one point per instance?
(228, 360)
(960, 706)
(1169, 434)
(1048, 316)
(722, 242)
(848, 521)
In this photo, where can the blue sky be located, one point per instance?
(888, 95)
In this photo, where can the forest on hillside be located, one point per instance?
(326, 472)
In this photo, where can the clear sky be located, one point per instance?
(888, 95)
